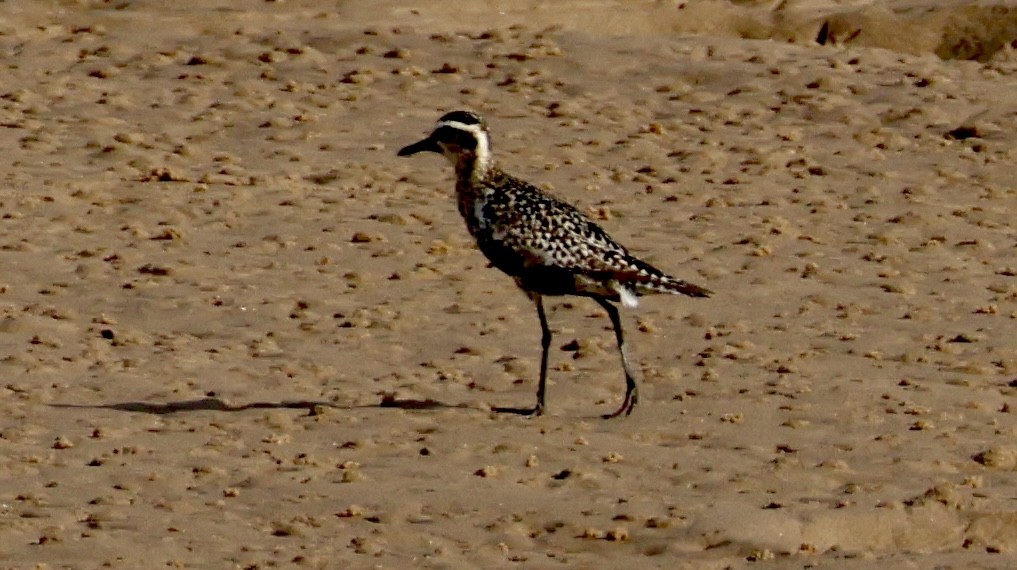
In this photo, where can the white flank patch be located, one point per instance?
(478, 215)
(628, 298)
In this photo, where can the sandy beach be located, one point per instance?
(237, 331)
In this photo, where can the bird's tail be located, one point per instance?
(650, 279)
(674, 286)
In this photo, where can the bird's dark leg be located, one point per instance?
(545, 345)
(631, 390)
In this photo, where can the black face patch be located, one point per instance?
(464, 117)
(452, 136)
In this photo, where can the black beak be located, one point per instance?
(426, 145)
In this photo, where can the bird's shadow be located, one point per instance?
(525, 412)
(214, 404)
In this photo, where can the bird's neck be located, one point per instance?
(472, 168)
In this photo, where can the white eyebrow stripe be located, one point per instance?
(475, 129)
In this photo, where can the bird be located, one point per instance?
(545, 244)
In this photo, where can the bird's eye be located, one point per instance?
(466, 141)
(457, 137)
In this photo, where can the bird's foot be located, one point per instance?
(626, 409)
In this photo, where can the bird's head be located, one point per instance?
(461, 136)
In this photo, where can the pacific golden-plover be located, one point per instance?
(545, 244)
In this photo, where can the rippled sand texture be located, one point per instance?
(237, 331)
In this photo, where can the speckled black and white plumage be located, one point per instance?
(545, 244)
(550, 248)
